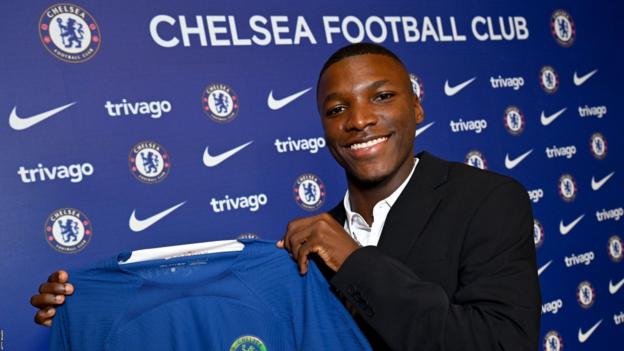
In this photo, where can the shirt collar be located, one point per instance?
(390, 200)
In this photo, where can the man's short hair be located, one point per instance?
(356, 50)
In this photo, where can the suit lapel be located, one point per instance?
(410, 214)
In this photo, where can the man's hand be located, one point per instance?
(51, 294)
(319, 234)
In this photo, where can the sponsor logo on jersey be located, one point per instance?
(149, 162)
(74, 173)
(153, 109)
(618, 318)
(614, 248)
(567, 188)
(311, 145)
(476, 125)
(309, 192)
(588, 111)
(614, 213)
(585, 294)
(248, 343)
(511, 82)
(69, 33)
(535, 194)
(476, 159)
(251, 202)
(563, 151)
(538, 233)
(553, 341)
(68, 230)
(598, 146)
(549, 80)
(584, 258)
(552, 306)
(513, 120)
(220, 102)
(417, 86)
(562, 28)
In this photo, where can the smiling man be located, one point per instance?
(427, 254)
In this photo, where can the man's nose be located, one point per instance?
(360, 118)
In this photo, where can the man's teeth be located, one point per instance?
(368, 143)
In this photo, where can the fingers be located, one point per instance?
(44, 317)
(56, 288)
(302, 257)
(43, 301)
(58, 277)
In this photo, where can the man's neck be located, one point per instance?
(364, 196)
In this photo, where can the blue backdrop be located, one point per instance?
(151, 123)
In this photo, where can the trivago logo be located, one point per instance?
(614, 213)
(563, 151)
(153, 109)
(552, 306)
(510, 82)
(584, 258)
(251, 202)
(311, 145)
(74, 173)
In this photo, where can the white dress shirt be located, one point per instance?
(357, 227)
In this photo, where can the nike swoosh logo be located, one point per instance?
(450, 91)
(582, 337)
(20, 123)
(580, 80)
(614, 288)
(137, 225)
(420, 130)
(543, 268)
(211, 161)
(276, 104)
(565, 229)
(513, 163)
(546, 120)
(598, 184)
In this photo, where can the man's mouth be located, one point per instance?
(370, 143)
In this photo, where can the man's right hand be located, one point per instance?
(51, 294)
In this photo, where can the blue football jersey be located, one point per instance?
(254, 299)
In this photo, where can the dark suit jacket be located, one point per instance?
(455, 266)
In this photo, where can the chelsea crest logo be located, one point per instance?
(614, 248)
(68, 230)
(309, 192)
(553, 341)
(69, 33)
(220, 102)
(585, 294)
(476, 159)
(538, 233)
(513, 120)
(417, 87)
(562, 28)
(549, 80)
(248, 343)
(149, 162)
(567, 187)
(598, 146)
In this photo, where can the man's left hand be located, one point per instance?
(319, 234)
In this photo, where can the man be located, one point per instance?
(429, 255)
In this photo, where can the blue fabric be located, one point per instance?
(204, 302)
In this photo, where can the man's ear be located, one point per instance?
(420, 113)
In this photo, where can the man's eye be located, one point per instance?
(383, 96)
(334, 110)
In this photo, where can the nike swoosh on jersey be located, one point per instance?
(543, 268)
(276, 104)
(137, 225)
(212, 161)
(20, 123)
(583, 336)
(546, 120)
(614, 288)
(420, 130)
(565, 229)
(580, 80)
(452, 90)
(598, 184)
(509, 164)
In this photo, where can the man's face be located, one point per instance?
(369, 115)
